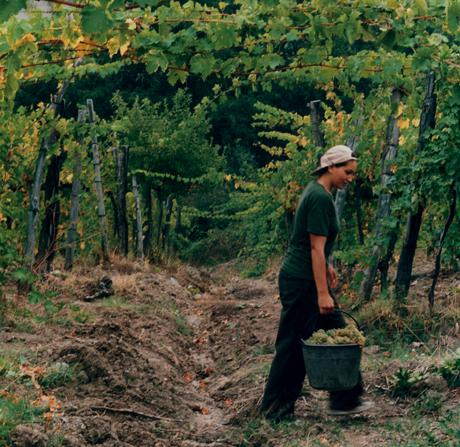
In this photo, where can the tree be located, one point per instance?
(169, 148)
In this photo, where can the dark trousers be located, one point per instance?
(299, 298)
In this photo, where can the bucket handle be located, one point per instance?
(336, 310)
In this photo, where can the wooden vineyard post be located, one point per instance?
(442, 238)
(98, 183)
(359, 220)
(341, 195)
(123, 181)
(116, 200)
(166, 241)
(383, 208)
(316, 117)
(149, 232)
(178, 228)
(160, 218)
(414, 221)
(34, 197)
(50, 223)
(75, 200)
(140, 242)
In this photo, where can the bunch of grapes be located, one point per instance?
(349, 335)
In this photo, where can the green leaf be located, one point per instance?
(21, 273)
(437, 39)
(387, 39)
(422, 5)
(225, 36)
(176, 75)
(36, 297)
(94, 20)
(49, 306)
(74, 307)
(10, 8)
(144, 3)
(118, 4)
(453, 17)
(11, 86)
(202, 64)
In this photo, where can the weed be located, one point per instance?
(404, 380)
(450, 370)
(182, 325)
(13, 412)
(429, 403)
(84, 316)
(26, 327)
(59, 375)
(264, 348)
(62, 321)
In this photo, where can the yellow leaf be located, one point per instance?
(85, 47)
(402, 139)
(113, 45)
(82, 245)
(29, 38)
(403, 123)
(237, 185)
(131, 24)
(303, 141)
(222, 5)
(124, 48)
(69, 178)
(416, 122)
(70, 40)
(228, 177)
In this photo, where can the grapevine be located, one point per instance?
(349, 335)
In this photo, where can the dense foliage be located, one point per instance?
(349, 55)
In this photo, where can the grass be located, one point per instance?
(14, 412)
(58, 376)
(418, 430)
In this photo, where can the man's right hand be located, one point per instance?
(326, 304)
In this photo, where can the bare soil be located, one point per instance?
(179, 357)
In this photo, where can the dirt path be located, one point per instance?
(174, 360)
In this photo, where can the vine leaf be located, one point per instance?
(94, 20)
(11, 86)
(9, 8)
(453, 17)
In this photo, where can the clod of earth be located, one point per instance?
(23, 436)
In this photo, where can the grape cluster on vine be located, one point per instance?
(348, 335)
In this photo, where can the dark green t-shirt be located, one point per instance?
(315, 214)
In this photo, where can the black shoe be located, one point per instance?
(362, 407)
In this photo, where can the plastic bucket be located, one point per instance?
(332, 367)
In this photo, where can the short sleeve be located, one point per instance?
(319, 216)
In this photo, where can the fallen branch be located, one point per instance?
(136, 413)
